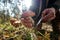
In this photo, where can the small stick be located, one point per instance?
(39, 22)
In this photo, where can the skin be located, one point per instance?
(47, 15)
(27, 20)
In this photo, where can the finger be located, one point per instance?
(27, 20)
(28, 13)
(22, 19)
(44, 12)
(52, 9)
(29, 24)
(50, 14)
(52, 17)
(47, 17)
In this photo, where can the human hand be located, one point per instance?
(26, 18)
(48, 14)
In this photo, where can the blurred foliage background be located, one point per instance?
(8, 9)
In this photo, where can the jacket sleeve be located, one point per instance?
(56, 21)
(54, 3)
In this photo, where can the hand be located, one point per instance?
(27, 22)
(26, 18)
(48, 14)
